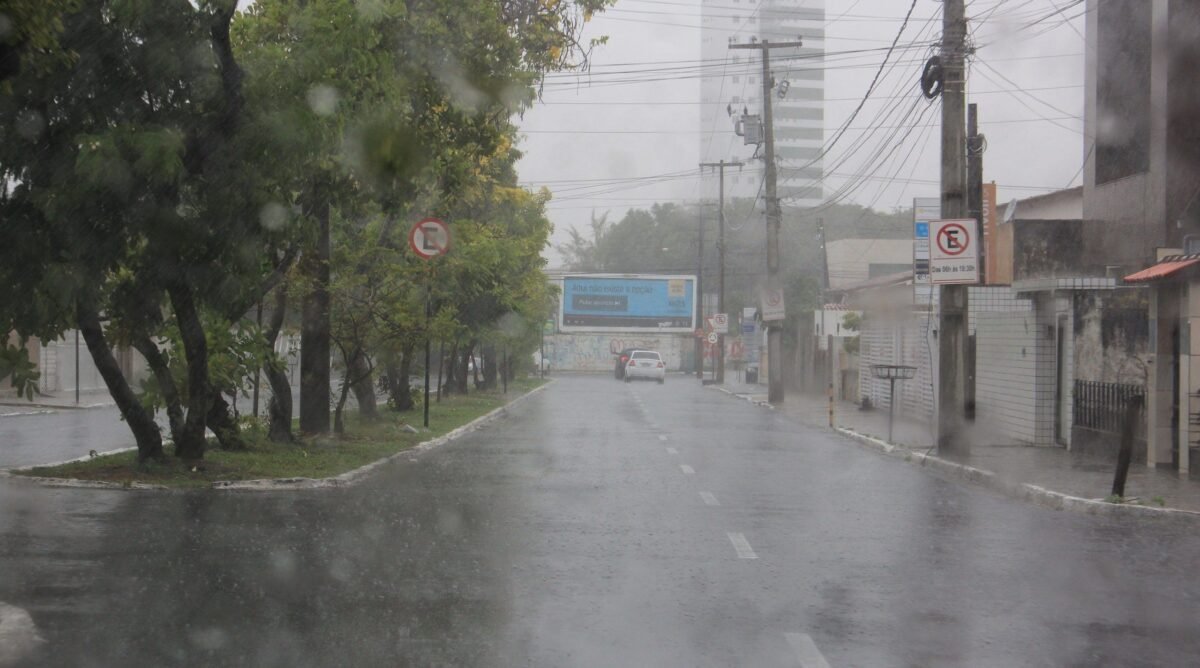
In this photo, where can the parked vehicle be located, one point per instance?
(621, 361)
(646, 364)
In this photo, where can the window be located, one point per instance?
(736, 78)
(1122, 89)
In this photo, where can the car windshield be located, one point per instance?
(599, 333)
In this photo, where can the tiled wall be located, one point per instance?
(1006, 356)
(907, 342)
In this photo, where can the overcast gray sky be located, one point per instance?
(1027, 77)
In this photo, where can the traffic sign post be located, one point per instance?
(772, 306)
(720, 323)
(429, 238)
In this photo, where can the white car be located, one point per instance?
(646, 364)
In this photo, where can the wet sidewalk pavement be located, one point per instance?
(11, 404)
(1051, 468)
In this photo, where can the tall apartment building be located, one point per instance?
(732, 79)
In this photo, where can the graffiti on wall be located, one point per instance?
(595, 352)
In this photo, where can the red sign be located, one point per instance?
(429, 238)
(952, 239)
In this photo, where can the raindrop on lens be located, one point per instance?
(273, 216)
(322, 99)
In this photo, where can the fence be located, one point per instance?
(1101, 406)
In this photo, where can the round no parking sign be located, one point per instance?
(429, 238)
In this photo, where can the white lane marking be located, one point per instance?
(662, 438)
(710, 499)
(18, 634)
(687, 470)
(806, 651)
(672, 451)
(742, 546)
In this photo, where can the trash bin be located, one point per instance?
(751, 375)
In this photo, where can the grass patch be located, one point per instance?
(364, 442)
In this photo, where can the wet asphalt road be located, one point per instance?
(602, 524)
(30, 437)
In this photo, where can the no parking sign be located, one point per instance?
(954, 252)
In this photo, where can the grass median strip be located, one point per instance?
(365, 441)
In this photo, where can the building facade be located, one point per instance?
(731, 85)
(1141, 181)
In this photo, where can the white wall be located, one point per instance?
(1014, 385)
(850, 260)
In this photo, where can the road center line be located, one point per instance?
(742, 546)
(709, 499)
(806, 651)
(687, 470)
(672, 451)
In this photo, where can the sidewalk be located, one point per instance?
(57, 400)
(1054, 469)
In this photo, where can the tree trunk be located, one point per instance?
(315, 333)
(451, 367)
(402, 398)
(339, 424)
(166, 382)
(488, 353)
(190, 444)
(464, 368)
(364, 389)
(441, 363)
(223, 424)
(141, 423)
(280, 406)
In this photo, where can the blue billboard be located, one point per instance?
(606, 302)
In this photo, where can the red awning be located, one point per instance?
(1168, 266)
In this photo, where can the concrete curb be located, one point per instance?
(744, 397)
(357, 475)
(75, 482)
(57, 407)
(1020, 491)
(276, 484)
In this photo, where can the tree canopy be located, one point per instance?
(165, 166)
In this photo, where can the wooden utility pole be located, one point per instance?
(774, 215)
(952, 327)
(719, 373)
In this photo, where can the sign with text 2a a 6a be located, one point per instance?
(953, 252)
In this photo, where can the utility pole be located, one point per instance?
(720, 166)
(700, 295)
(952, 327)
(975, 143)
(774, 215)
(824, 290)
